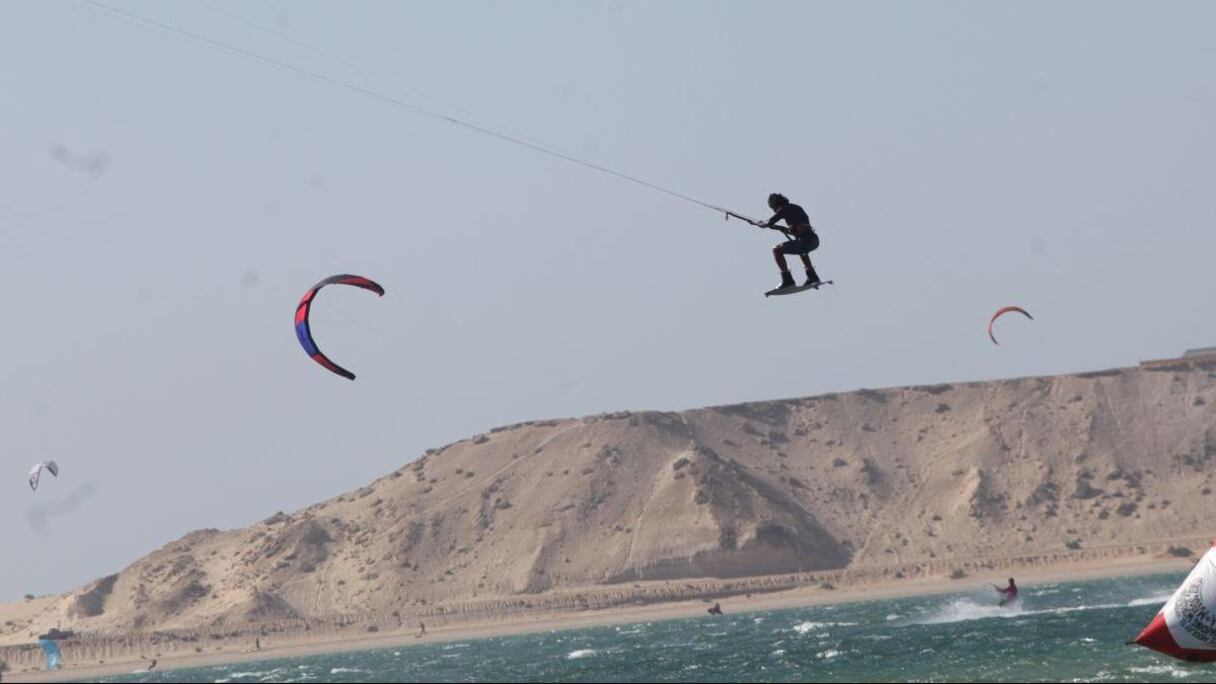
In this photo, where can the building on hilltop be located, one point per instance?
(1199, 356)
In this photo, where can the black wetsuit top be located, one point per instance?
(795, 217)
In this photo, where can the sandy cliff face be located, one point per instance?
(873, 477)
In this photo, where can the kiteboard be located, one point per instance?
(796, 289)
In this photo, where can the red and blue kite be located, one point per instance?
(305, 333)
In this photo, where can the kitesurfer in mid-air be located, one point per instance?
(802, 238)
(1008, 594)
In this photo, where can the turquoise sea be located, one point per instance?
(1061, 632)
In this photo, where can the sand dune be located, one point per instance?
(631, 507)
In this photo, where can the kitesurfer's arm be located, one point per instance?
(780, 215)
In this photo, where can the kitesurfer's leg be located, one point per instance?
(787, 280)
(811, 276)
(809, 242)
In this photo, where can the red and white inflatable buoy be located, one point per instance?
(1186, 626)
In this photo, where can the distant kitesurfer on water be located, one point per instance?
(716, 610)
(1008, 594)
(802, 238)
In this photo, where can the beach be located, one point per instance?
(524, 622)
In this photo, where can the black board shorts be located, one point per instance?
(805, 244)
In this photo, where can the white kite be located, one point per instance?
(36, 472)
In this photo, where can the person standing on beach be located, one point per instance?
(421, 629)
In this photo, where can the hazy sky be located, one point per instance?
(955, 157)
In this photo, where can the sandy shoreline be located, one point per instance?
(512, 624)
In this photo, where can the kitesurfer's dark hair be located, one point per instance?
(778, 199)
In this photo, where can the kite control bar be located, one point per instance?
(755, 222)
(745, 219)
